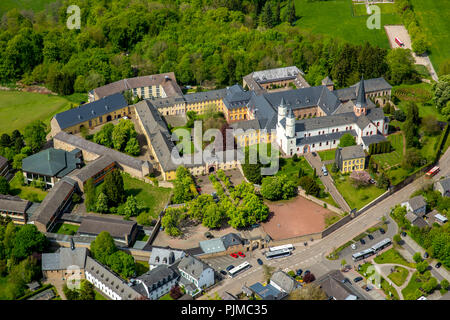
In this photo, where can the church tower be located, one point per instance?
(290, 124)
(360, 107)
(282, 110)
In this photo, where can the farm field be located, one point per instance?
(18, 109)
(434, 18)
(337, 18)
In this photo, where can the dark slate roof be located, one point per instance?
(305, 98)
(417, 202)
(445, 184)
(51, 162)
(333, 285)
(54, 199)
(352, 152)
(370, 85)
(323, 137)
(13, 204)
(231, 239)
(362, 122)
(165, 255)
(92, 168)
(90, 111)
(327, 81)
(284, 281)
(361, 98)
(166, 80)
(93, 225)
(236, 97)
(156, 278)
(91, 147)
(368, 140)
(264, 112)
(192, 266)
(246, 125)
(205, 96)
(64, 258)
(111, 280)
(325, 122)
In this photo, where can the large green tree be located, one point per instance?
(35, 135)
(113, 188)
(102, 247)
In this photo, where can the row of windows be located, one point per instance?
(360, 167)
(349, 162)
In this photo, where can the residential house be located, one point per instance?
(195, 275)
(416, 220)
(443, 186)
(164, 256)
(336, 287)
(267, 292)
(157, 282)
(416, 205)
(283, 282)
(228, 243)
(350, 158)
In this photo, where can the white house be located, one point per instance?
(195, 275)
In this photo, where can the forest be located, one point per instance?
(211, 43)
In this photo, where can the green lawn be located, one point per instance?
(393, 256)
(393, 158)
(336, 18)
(388, 290)
(153, 198)
(99, 296)
(434, 19)
(399, 275)
(166, 297)
(355, 197)
(290, 168)
(35, 5)
(18, 109)
(412, 290)
(26, 192)
(65, 228)
(359, 9)
(327, 154)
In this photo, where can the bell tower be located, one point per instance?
(360, 107)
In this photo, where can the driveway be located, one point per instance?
(327, 181)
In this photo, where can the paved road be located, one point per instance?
(327, 181)
(314, 254)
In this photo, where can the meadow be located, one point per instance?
(337, 18)
(434, 18)
(35, 5)
(18, 109)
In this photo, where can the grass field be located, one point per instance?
(18, 109)
(434, 18)
(153, 198)
(393, 256)
(336, 18)
(327, 154)
(399, 275)
(35, 5)
(26, 192)
(394, 157)
(355, 197)
(65, 228)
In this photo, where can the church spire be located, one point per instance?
(361, 101)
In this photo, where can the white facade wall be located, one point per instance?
(101, 286)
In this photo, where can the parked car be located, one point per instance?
(353, 246)
(223, 272)
(199, 190)
(426, 255)
(346, 280)
(382, 231)
(325, 171)
(314, 154)
(299, 272)
(362, 241)
(357, 279)
(259, 261)
(241, 254)
(438, 265)
(403, 234)
(368, 288)
(306, 272)
(229, 267)
(234, 255)
(370, 236)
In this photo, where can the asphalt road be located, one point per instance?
(313, 255)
